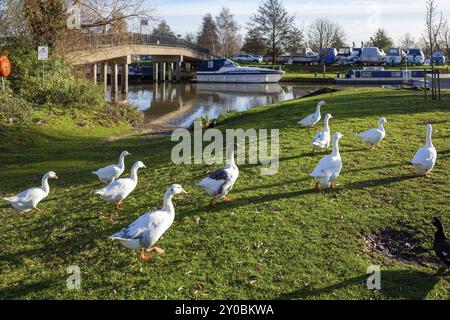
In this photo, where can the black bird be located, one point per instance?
(441, 243)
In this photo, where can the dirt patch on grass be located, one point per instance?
(398, 245)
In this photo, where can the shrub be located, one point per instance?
(52, 86)
(123, 112)
(51, 83)
(13, 108)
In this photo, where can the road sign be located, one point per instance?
(42, 53)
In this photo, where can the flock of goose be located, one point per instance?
(144, 232)
(329, 167)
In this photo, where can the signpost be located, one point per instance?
(43, 56)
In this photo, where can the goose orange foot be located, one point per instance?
(144, 256)
(226, 198)
(119, 204)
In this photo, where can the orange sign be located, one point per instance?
(5, 66)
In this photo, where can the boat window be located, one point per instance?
(229, 64)
(210, 64)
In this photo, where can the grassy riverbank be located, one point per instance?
(277, 239)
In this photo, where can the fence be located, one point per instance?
(91, 40)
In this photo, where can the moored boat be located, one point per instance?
(225, 70)
(373, 75)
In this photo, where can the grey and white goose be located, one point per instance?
(218, 184)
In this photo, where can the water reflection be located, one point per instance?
(180, 104)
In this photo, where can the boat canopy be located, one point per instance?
(215, 65)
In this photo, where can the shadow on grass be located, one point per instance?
(21, 290)
(405, 284)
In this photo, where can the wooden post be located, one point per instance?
(425, 83)
(439, 83)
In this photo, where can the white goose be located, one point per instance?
(312, 119)
(329, 167)
(425, 158)
(220, 182)
(373, 137)
(323, 138)
(30, 198)
(143, 233)
(118, 190)
(110, 173)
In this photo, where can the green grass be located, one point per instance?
(278, 239)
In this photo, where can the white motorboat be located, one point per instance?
(225, 70)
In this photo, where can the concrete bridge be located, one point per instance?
(110, 53)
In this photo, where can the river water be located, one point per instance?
(179, 104)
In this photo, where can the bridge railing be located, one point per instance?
(92, 40)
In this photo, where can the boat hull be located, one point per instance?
(240, 78)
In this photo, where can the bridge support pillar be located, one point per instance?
(155, 71)
(163, 71)
(94, 73)
(105, 77)
(124, 79)
(114, 81)
(170, 71)
(178, 66)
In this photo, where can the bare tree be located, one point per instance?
(98, 13)
(407, 41)
(434, 22)
(45, 20)
(12, 18)
(273, 24)
(444, 38)
(229, 39)
(208, 36)
(324, 33)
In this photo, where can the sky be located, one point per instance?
(360, 18)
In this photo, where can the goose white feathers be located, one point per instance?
(425, 158)
(329, 167)
(322, 139)
(312, 119)
(120, 189)
(110, 173)
(30, 198)
(218, 184)
(373, 137)
(144, 232)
